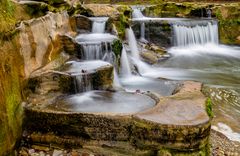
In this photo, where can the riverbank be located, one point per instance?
(220, 146)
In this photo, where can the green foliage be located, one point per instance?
(7, 19)
(209, 107)
(117, 47)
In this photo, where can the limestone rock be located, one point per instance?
(149, 57)
(37, 38)
(102, 10)
(238, 39)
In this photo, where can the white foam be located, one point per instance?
(227, 131)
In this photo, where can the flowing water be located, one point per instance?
(132, 43)
(196, 34)
(125, 65)
(82, 71)
(99, 24)
(198, 56)
(140, 83)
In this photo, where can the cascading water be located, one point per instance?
(83, 83)
(99, 24)
(132, 43)
(97, 45)
(137, 14)
(92, 51)
(191, 33)
(198, 56)
(125, 66)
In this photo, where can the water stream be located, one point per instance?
(99, 24)
(197, 55)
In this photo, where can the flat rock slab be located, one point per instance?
(178, 122)
(185, 108)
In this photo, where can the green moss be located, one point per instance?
(209, 107)
(6, 16)
(117, 47)
(11, 128)
(121, 25)
(122, 22)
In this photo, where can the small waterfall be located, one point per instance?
(98, 27)
(96, 46)
(92, 51)
(99, 24)
(142, 38)
(185, 34)
(137, 13)
(116, 81)
(83, 83)
(125, 66)
(133, 43)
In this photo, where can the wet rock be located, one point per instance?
(41, 153)
(75, 153)
(40, 148)
(238, 39)
(178, 122)
(57, 152)
(157, 49)
(31, 151)
(50, 82)
(103, 10)
(149, 57)
(82, 23)
(186, 108)
(69, 45)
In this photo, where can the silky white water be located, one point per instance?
(99, 24)
(132, 42)
(125, 66)
(198, 56)
(197, 34)
(137, 14)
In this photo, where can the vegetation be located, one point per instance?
(6, 16)
(209, 107)
(117, 47)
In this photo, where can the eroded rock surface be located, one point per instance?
(38, 39)
(177, 122)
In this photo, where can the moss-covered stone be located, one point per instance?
(103, 78)
(122, 22)
(10, 95)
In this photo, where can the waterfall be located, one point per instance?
(142, 38)
(125, 66)
(92, 51)
(99, 24)
(83, 83)
(133, 43)
(137, 13)
(116, 81)
(185, 34)
(98, 27)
